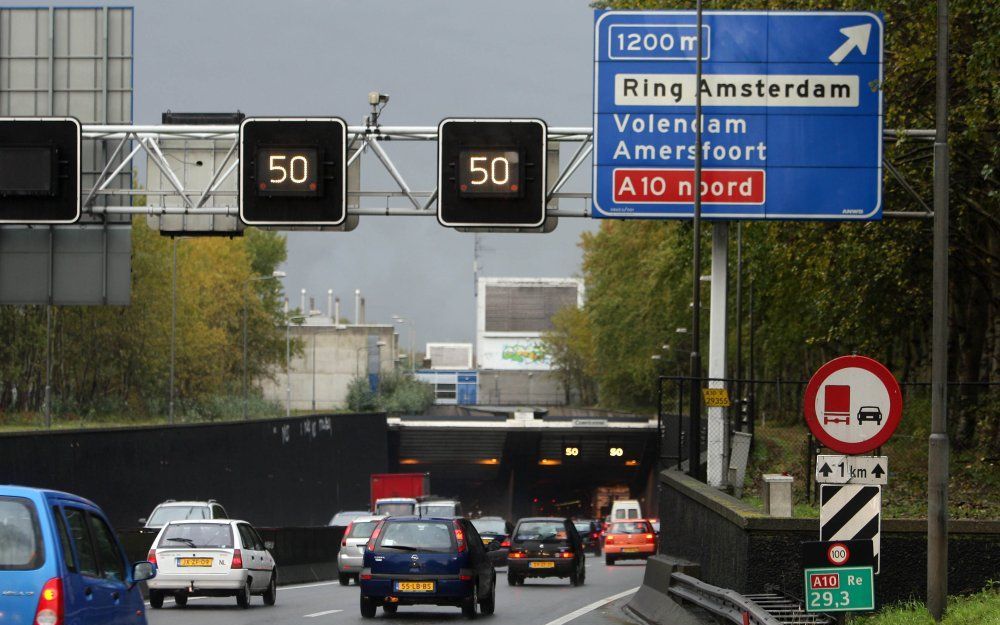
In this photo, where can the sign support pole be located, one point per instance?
(694, 430)
(937, 457)
(717, 425)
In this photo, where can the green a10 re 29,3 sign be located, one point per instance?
(840, 589)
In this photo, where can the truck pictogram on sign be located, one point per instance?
(837, 404)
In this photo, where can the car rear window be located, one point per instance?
(638, 527)
(197, 535)
(21, 547)
(582, 526)
(362, 529)
(416, 536)
(438, 510)
(540, 530)
(166, 514)
(490, 526)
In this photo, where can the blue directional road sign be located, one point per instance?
(791, 124)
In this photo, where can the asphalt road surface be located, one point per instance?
(538, 602)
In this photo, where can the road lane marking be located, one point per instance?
(590, 608)
(293, 587)
(324, 613)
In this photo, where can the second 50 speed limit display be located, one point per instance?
(293, 171)
(492, 173)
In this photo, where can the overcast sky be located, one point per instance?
(517, 58)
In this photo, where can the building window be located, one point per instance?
(445, 391)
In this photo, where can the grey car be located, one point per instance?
(352, 547)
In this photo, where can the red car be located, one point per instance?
(634, 539)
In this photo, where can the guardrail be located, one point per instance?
(758, 609)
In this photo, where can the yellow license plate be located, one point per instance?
(194, 562)
(415, 586)
(541, 565)
(630, 550)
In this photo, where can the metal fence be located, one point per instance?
(771, 411)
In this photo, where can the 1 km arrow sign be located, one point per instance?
(853, 405)
(872, 470)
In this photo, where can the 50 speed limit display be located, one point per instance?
(492, 173)
(293, 171)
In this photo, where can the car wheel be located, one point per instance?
(511, 580)
(156, 599)
(345, 580)
(181, 599)
(271, 594)
(609, 560)
(489, 605)
(368, 607)
(390, 608)
(597, 551)
(469, 603)
(574, 577)
(243, 595)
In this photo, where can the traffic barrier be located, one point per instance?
(652, 603)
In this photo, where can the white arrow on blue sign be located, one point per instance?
(791, 124)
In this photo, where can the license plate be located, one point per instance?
(194, 562)
(414, 586)
(541, 565)
(630, 550)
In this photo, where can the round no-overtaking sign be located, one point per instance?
(853, 404)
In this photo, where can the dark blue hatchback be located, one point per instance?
(429, 561)
(61, 563)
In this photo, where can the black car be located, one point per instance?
(590, 533)
(546, 547)
(494, 529)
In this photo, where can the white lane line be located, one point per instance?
(590, 608)
(315, 614)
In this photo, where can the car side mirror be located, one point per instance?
(142, 521)
(141, 571)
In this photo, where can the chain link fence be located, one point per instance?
(771, 412)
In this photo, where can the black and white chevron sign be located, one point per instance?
(851, 512)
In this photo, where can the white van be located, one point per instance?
(625, 509)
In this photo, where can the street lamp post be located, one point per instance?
(413, 332)
(288, 359)
(246, 283)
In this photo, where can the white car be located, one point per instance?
(171, 510)
(352, 547)
(211, 558)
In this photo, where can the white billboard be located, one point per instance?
(514, 354)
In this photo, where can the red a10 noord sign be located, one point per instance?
(853, 404)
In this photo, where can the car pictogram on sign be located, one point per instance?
(870, 413)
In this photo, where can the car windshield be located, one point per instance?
(541, 530)
(437, 510)
(396, 509)
(343, 518)
(414, 536)
(363, 529)
(197, 535)
(639, 527)
(490, 526)
(165, 514)
(20, 547)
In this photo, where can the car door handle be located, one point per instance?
(88, 592)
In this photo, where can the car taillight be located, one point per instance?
(459, 537)
(566, 554)
(347, 532)
(505, 544)
(237, 559)
(371, 541)
(465, 578)
(649, 537)
(594, 535)
(50, 604)
(152, 556)
(609, 539)
(516, 554)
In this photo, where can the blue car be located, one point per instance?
(427, 561)
(61, 563)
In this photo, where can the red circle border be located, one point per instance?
(846, 550)
(895, 404)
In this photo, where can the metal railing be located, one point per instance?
(756, 609)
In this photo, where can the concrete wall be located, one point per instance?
(332, 356)
(505, 388)
(738, 547)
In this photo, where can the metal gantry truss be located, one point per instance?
(133, 141)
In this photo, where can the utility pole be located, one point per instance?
(937, 456)
(694, 429)
(173, 329)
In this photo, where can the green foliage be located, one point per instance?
(360, 397)
(115, 361)
(398, 393)
(982, 608)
